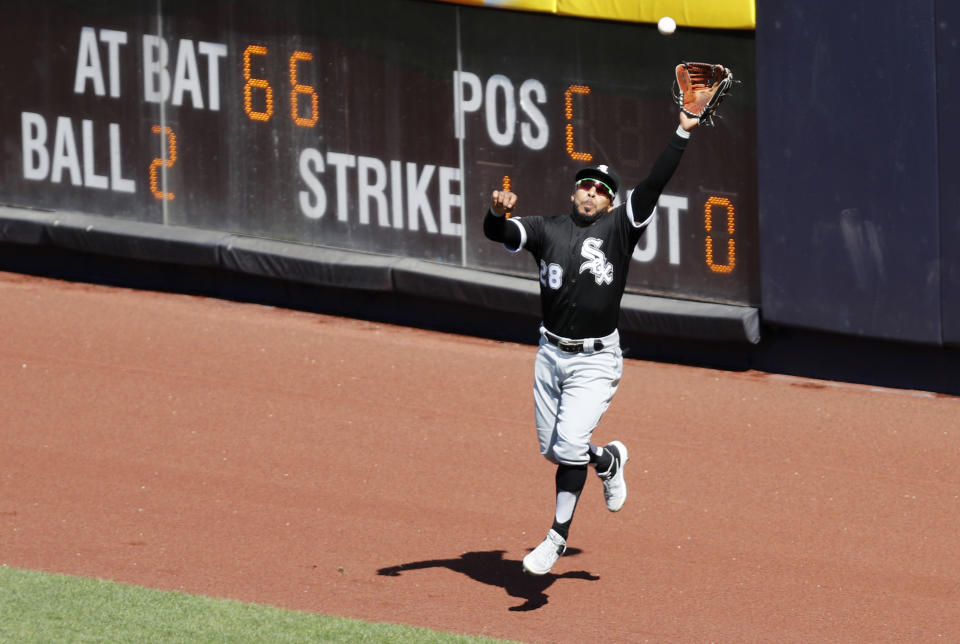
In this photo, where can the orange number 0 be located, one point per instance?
(708, 226)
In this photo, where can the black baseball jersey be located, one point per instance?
(583, 266)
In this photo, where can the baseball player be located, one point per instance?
(583, 258)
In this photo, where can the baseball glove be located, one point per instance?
(699, 89)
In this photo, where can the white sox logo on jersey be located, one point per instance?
(596, 261)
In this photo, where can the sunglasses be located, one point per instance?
(601, 188)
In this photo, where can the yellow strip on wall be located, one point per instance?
(711, 14)
(728, 14)
(549, 6)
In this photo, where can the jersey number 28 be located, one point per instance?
(551, 275)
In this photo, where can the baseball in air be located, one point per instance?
(667, 25)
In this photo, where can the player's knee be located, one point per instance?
(567, 454)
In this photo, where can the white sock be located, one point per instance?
(566, 503)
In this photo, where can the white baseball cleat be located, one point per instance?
(541, 560)
(614, 484)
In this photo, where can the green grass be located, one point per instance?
(39, 607)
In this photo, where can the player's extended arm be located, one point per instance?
(495, 224)
(647, 192)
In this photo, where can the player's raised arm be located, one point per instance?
(496, 226)
(700, 88)
(647, 192)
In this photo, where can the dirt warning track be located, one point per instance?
(391, 474)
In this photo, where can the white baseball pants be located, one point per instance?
(571, 392)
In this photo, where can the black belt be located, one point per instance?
(568, 346)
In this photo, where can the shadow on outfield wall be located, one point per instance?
(783, 350)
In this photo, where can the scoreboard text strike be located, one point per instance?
(269, 134)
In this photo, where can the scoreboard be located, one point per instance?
(377, 126)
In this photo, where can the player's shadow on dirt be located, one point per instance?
(492, 569)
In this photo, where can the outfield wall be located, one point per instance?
(857, 183)
(322, 145)
(279, 141)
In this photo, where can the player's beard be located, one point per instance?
(584, 220)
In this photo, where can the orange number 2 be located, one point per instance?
(157, 162)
